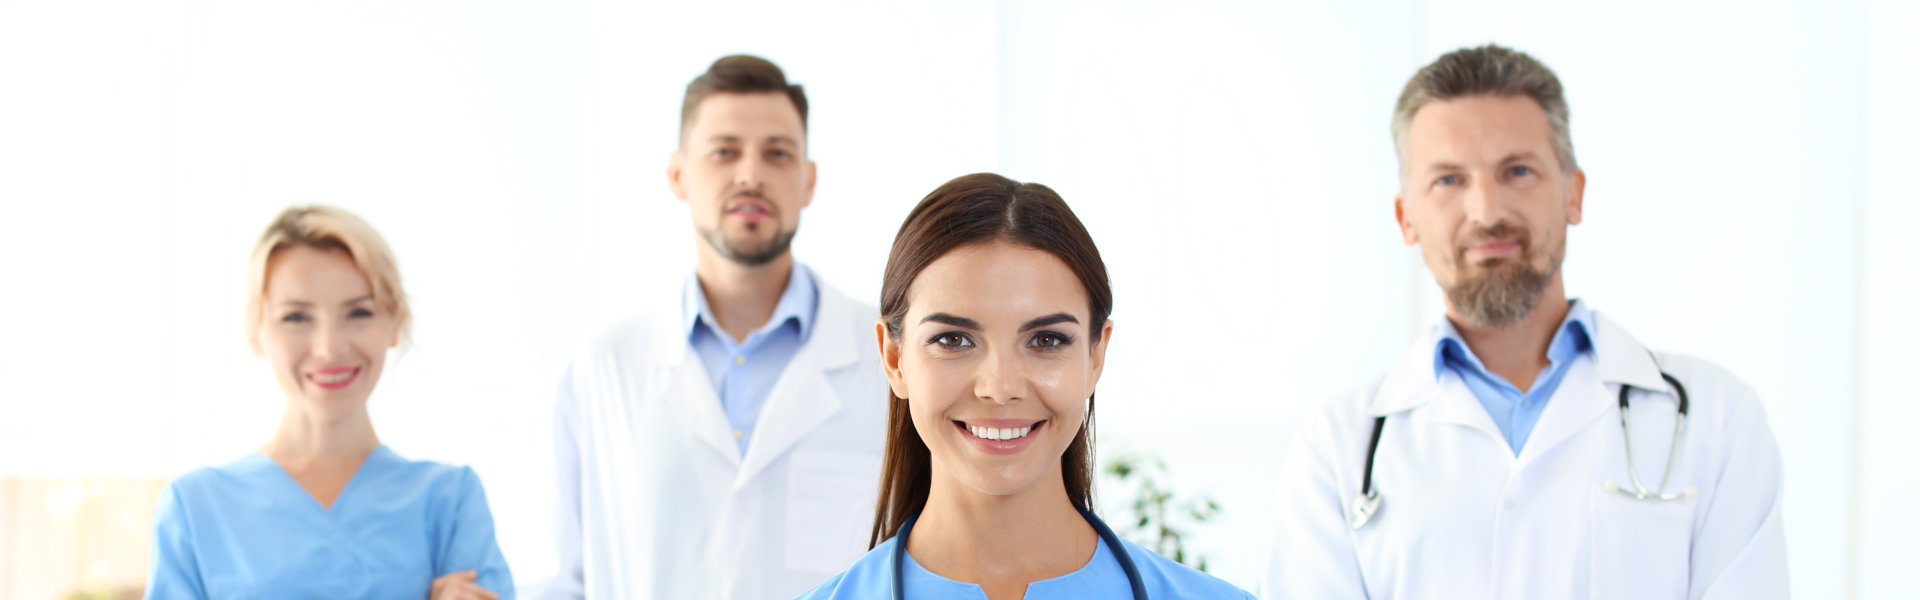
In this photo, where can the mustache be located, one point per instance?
(1499, 232)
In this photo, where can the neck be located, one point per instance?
(742, 297)
(1518, 352)
(1001, 543)
(303, 440)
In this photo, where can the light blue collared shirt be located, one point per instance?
(1516, 413)
(743, 373)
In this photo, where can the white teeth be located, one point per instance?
(334, 378)
(1000, 433)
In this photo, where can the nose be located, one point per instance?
(1486, 203)
(748, 173)
(328, 343)
(1001, 378)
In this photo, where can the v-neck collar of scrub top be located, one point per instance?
(1108, 563)
(290, 489)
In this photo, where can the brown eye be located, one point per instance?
(952, 340)
(1049, 341)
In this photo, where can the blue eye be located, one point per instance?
(1448, 180)
(294, 318)
(781, 154)
(1520, 171)
(723, 153)
(360, 313)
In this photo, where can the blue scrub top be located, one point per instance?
(247, 530)
(871, 578)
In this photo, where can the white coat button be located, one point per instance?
(1509, 504)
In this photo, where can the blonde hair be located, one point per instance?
(327, 228)
(1488, 70)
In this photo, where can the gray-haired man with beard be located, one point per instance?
(726, 443)
(1528, 446)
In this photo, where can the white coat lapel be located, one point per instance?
(1413, 384)
(682, 381)
(1584, 395)
(803, 399)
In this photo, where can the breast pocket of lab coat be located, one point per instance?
(1641, 549)
(830, 500)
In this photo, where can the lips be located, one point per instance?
(334, 378)
(1001, 436)
(751, 207)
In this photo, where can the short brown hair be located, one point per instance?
(1488, 70)
(741, 74)
(327, 228)
(978, 209)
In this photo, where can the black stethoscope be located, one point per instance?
(1367, 504)
(1113, 543)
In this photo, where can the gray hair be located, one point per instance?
(1488, 70)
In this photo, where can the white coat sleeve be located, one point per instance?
(1313, 554)
(1740, 550)
(570, 582)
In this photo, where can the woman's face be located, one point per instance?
(996, 359)
(323, 332)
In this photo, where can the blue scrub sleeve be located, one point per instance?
(176, 570)
(471, 545)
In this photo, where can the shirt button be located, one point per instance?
(737, 434)
(740, 360)
(1509, 503)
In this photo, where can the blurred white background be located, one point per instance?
(1751, 169)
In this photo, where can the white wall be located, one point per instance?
(1748, 168)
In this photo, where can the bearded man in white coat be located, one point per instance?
(726, 443)
(1493, 460)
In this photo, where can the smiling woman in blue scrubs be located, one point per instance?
(993, 332)
(324, 510)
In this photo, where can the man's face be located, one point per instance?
(742, 167)
(1488, 203)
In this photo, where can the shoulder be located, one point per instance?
(1716, 397)
(869, 577)
(1168, 579)
(435, 482)
(221, 481)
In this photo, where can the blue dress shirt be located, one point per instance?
(1514, 412)
(743, 373)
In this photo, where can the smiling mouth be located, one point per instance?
(334, 379)
(998, 434)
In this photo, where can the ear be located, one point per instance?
(675, 168)
(813, 176)
(890, 359)
(1576, 194)
(1404, 218)
(1100, 354)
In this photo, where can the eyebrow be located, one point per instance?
(1519, 156)
(734, 139)
(304, 303)
(955, 321)
(1052, 319)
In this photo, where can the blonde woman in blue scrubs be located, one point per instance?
(993, 331)
(324, 510)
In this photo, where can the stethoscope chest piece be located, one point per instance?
(1363, 508)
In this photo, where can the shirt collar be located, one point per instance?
(1574, 337)
(797, 303)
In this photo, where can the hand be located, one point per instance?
(459, 585)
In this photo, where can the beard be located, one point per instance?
(747, 251)
(1501, 292)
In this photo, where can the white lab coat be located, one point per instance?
(1462, 517)
(656, 500)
